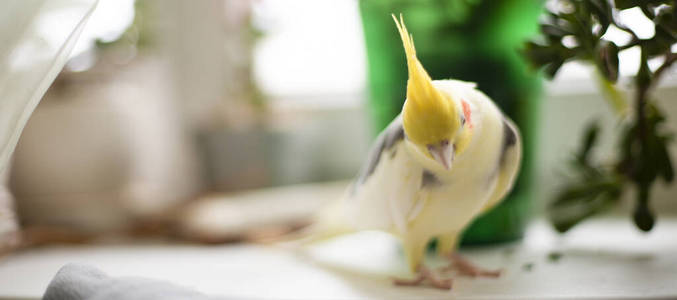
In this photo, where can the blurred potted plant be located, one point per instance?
(467, 40)
(643, 156)
(120, 157)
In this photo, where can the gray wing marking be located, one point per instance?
(509, 140)
(429, 179)
(385, 141)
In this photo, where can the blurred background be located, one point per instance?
(211, 120)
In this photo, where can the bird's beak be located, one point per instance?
(443, 154)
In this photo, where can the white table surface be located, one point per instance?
(602, 259)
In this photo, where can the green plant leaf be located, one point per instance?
(607, 60)
(554, 31)
(642, 216)
(665, 18)
(648, 11)
(625, 4)
(644, 219)
(584, 191)
(659, 145)
(602, 10)
(665, 166)
(540, 55)
(589, 140)
(549, 57)
(565, 217)
(552, 68)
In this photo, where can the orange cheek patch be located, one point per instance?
(466, 113)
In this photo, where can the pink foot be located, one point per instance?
(424, 274)
(466, 268)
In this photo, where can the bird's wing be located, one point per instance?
(508, 163)
(385, 142)
(385, 190)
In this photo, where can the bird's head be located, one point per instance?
(432, 118)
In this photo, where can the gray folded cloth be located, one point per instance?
(81, 282)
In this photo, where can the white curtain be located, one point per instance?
(36, 37)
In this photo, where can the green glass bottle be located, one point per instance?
(472, 40)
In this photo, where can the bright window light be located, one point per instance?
(309, 47)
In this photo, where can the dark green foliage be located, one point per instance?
(607, 60)
(644, 163)
(589, 140)
(593, 189)
(644, 4)
(643, 155)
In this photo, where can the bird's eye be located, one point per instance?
(462, 120)
(445, 142)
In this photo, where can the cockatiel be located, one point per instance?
(449, 156)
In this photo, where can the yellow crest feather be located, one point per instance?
(429, 116)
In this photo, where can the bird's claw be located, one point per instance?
(466, 268)
(424, 274)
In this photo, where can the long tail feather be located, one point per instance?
(327, 224)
